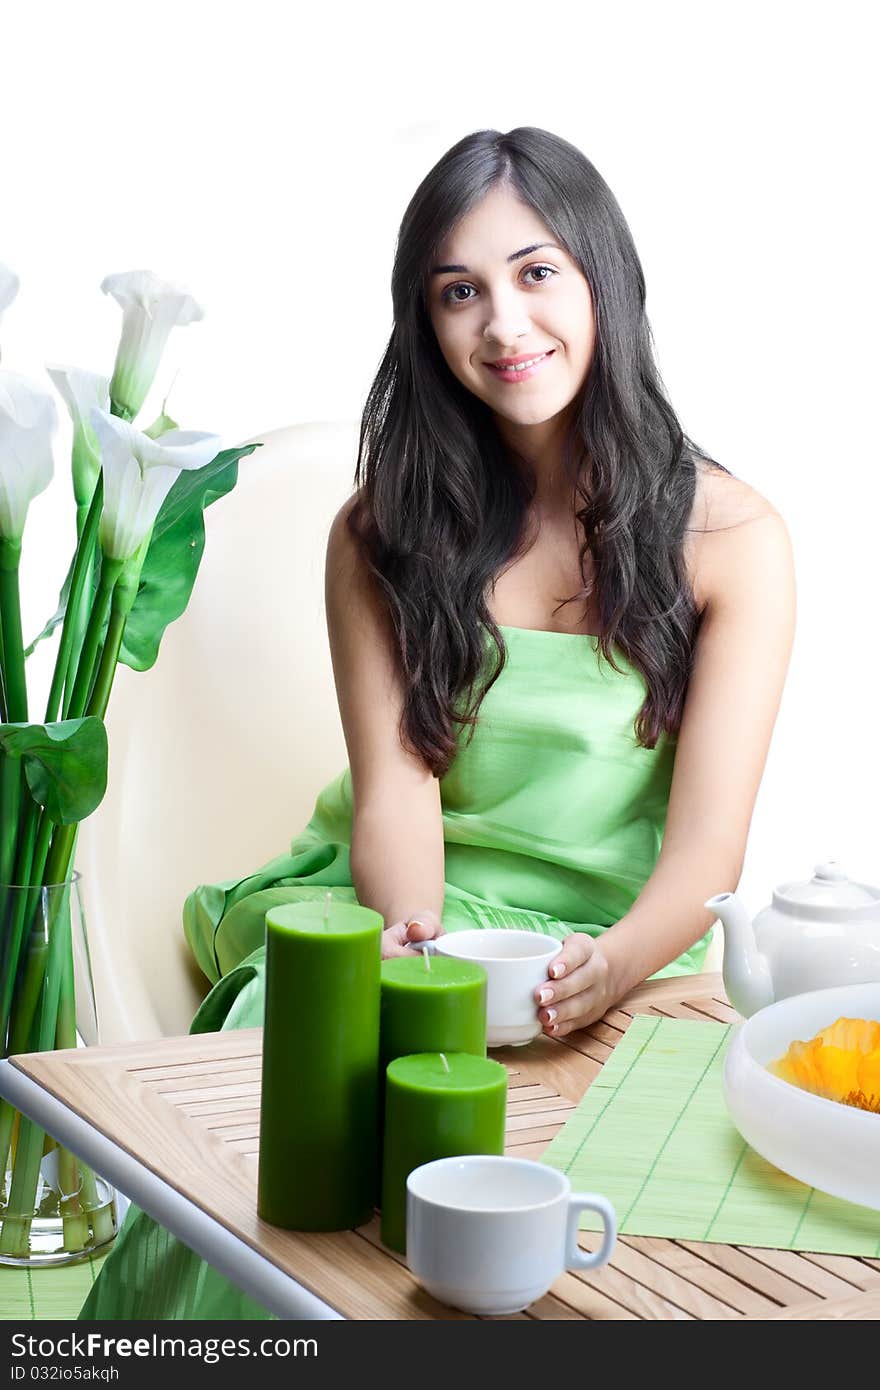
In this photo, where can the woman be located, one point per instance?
(560, 634)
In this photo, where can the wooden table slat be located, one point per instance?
(754, 1273)
(812, 1277)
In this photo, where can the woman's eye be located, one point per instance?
(548, 269)
(450, 294)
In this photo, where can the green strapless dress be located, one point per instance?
(553, 819)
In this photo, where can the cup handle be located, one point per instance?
(575, 1257)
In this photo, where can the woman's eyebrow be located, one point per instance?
(516, 256)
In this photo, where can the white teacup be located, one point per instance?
(516, 964)
(490, 1235)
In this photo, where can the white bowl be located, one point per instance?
(831, 1146)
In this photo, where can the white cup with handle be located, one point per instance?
(516, 963)
(490, 1234)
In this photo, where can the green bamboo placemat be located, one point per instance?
(653, 1134)
(55, 1292)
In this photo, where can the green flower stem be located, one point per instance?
(77, 600)
(18, 1043)
(80, 621)
(79, 696)
(4, 719)
(121, 595)
(13, 648)
(14, 917)
(16, 1223)
(124, 596)
(74, 1175)
(16, 711)
(71, 1179)
(15, 1230)
(31, 872)
(10, 800)
(29, 985)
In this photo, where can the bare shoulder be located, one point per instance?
(340, 532)
(344, 561)
(732, 525)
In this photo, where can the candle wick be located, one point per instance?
(444, 1061)
(426, 954)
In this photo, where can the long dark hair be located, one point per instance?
(441, 507)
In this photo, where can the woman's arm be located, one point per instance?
(397, 853)
(741, 659)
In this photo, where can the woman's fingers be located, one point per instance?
(562, 997)
(577, 950)
(394, 941)
(400, 938)
(578, 995)
(424, 927)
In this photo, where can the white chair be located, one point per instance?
(218, 752)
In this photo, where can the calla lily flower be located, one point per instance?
(150, 309)
(139, 472)
(842, 1063)
(9, 283)
(28, 419)
(81, 391)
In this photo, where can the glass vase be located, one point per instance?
(53, 1209)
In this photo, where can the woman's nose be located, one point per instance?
(506, 321)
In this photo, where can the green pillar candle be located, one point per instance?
(429, 1004)
(433, 1004)
(437, 1105)
(320, 1074)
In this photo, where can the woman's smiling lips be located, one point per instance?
(507, 370)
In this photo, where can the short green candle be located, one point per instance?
(437, 1105)
(433, 1004)
(320, 1074)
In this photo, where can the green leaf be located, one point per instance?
(175, 553)
(65, 764)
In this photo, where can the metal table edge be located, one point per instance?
(229, 1254)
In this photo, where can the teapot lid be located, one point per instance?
(830, 888)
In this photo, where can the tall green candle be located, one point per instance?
(437, 1105)
(319, 1099)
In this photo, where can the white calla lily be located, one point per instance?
(28, 420)
(9, 285)
(151, 307)
(81, 391)
(139, 472)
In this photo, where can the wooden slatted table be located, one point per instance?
(175, 1125)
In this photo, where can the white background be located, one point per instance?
(264, 156)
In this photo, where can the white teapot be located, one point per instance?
(816, 935)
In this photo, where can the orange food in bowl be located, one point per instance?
(841, 1063)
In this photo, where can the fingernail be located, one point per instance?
(545, 996)
(557, 969)
(551, 1014)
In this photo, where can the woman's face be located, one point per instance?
(504, 288)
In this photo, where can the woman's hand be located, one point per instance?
(418, 926)
(580, 987)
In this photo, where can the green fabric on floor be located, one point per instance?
(553, 819)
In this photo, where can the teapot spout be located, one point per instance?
(747, 979)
